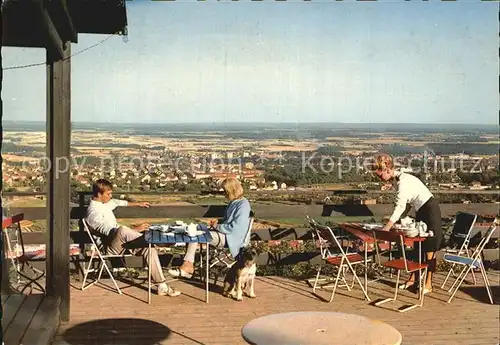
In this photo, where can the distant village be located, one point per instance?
(151, 172)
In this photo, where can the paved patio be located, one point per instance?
(101, 316)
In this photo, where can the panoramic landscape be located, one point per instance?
(250, 172)
(308, 163)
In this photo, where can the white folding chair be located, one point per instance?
(461, 233)
(98, 253)
(325, 254)
(223, 256)
(342, 260)
(471, 262)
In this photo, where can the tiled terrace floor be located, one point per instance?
(186, 319)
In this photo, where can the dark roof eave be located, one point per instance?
(85, 16)
(98, 17)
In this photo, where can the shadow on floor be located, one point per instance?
(126, 331)
(479, 293)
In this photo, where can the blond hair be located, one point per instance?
(383, 161)
(233, 188)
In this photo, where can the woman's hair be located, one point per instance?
(233, 188)
(100, 186)
(383, 161)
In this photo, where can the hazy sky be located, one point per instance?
(279, 61)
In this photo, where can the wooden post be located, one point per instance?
(58, 178)
(81, 197)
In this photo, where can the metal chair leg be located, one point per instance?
(87, 270)
(473, 273)
(361, 285)
(459, 280)
(450, 272)
(486, 281)
(336, 283)
(463, 272)
(395, 292)
(111, 276)
(317, 277)
(422, 286)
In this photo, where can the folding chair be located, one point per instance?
(20, 260)
(323, 245)
(98, 250)
(460, 235)
(223, 256)
(401, 264)
(342, 260)
(471, 262)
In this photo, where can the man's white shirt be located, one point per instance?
(410, 190)
(100, 216)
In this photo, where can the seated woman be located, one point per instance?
(230, 233)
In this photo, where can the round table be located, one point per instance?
(301, 328)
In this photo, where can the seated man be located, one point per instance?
(101, 219)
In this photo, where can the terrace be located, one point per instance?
(66, 315)
(95, 319)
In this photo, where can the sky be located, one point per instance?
(354, 62)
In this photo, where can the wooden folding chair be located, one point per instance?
(461, 234)
(342, 260)
(401, 264)
(98, 253)
(472, 262)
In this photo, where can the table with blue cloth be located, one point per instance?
(161, 234)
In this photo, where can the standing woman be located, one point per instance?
(410, 190)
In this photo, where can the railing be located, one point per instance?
(263, 211)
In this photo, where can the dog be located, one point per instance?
(241, 276)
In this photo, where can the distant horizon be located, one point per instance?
(271, 122)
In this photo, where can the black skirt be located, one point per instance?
(430, 214)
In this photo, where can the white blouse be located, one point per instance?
(410, 190)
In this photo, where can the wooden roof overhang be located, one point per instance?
(47, 23)
(54, 25)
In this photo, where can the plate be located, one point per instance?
(177, 229)
(372, 226)
(159, 227)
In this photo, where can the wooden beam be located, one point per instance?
(69, 23)
(4, 265)
(58, 178)
(56, 46)
(262, 211)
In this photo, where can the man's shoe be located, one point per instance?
(177, 272)
(168, 291)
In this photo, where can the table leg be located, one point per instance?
(207, 277)
(149, 274)
(422, 284)
(366, 267)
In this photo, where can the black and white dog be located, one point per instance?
(241, 276)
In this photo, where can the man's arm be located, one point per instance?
(140, 204)
(114, 203)
(144, 226)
